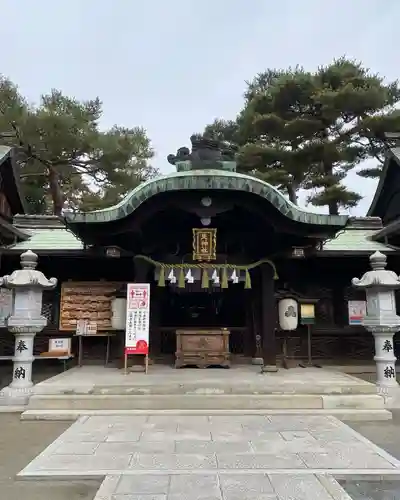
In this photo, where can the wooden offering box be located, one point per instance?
(202, 348)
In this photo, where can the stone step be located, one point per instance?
(206, 402)
(213, 388)
(72, 415)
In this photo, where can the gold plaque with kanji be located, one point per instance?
(204, 244)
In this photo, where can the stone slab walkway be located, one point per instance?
(277, 457)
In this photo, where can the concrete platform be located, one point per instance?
(97, 380)
(241, 389)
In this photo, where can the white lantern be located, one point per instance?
(118, 308)
(288, 314)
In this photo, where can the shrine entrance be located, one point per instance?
(196, 309)
(162, 225)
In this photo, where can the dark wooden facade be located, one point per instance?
(253, 221)
(11, 199)
(245, 311)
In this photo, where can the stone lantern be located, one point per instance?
(381, 318)
(25, 321)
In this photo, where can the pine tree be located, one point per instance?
(308, 130)
(355, 108)
(66, 160)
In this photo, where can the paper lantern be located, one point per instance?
(288, 314)
(118, 319)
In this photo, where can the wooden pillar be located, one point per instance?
(339, 305)
(268, 318)
(155, 334)
(256, 312)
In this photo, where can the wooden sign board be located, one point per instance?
(307, 314)
(204, 244)
(86, 300)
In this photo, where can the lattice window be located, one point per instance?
(351, 293)
(324, 312)
(50, 306)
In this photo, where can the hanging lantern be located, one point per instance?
(234, 277)
(288, 314)
(189, 277)
(172, 277)
(215, 277)
(118, 309)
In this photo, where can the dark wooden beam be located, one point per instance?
(268, 318)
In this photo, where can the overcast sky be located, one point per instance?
(173, 66)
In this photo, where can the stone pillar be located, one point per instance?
(381, 319)
(25, 322)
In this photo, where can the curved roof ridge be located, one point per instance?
(203, 180)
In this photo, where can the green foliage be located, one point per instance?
(66, 160)
(303, 130)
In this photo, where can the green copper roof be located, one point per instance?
(45, 233)
(351, 240)
(61, 240)
(204, 180)
(49, 239)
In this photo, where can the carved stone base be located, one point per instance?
(257, 361)
(391, 396)
(10, 396)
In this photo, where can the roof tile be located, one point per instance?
(49, 239)
(355, 239)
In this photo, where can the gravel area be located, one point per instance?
(387, 436)
(20, 442)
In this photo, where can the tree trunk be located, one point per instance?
(292, 193)
(55, 191)
(333, 205)
(333, 208)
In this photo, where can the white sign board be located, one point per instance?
(81, 326)
(86, 327)
(63, 345)
(357, 311)
(91, 328)
(137, 319)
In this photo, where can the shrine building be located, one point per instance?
(219, 249)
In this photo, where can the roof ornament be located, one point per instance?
(206, 153)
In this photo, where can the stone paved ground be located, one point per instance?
(177, 458)
(20, 442)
